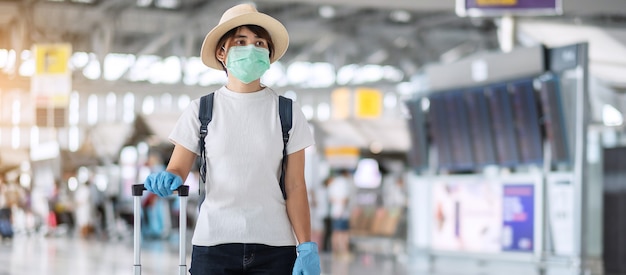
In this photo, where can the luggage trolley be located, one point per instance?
(183, 193)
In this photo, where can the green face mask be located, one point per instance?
(247, 63)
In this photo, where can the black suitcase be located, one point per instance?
(183, 193)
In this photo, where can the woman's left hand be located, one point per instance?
(308, 261)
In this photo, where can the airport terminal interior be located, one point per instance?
(475, 136)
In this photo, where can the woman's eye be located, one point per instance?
(260, 43)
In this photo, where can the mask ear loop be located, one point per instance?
(222, 61)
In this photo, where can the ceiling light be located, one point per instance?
(327, 12)
(144, 3)
(400, 16)
(167, 4)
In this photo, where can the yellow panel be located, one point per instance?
(52, 58)
(369, 103)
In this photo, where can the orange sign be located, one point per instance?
(496, 2)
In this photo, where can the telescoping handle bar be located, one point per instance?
(183, 193)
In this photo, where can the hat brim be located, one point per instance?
(276, 30)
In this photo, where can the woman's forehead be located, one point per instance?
(244, 31)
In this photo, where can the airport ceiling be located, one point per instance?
(403, 33)
(407, 34)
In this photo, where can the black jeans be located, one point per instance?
(237, 258)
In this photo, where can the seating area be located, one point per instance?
(378, 230)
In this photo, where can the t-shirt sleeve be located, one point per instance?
(186, 132)
(300, 135)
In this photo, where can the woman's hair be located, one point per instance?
(258, 30)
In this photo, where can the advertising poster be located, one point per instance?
(518, 217)
(466, 215)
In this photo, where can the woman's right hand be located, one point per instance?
(162, 183)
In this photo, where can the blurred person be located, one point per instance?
(394, 192)
(97, 202)
(157, 214)
(15, 195)
(62, 206)
(16, 201)
(339, 191)
(319, 212)
(83, 209)
(6, 223)
(327, 220)
(396, 200)
(154, 217)
(40, 209)
(246, 224)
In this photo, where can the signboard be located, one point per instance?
(485, 215)
(518, 211)
(51, 83)
(341, 103)
(368, 103)
(52, 58)
(342, 156)
(489, 8)
(466, 215)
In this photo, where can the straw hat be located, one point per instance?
(244, 14)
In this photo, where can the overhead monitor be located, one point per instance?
(493, 8)
(480, 127)
(502, 122)
(460, 139)
(450, 127)
(526, 120)
(553, 119)
(417, 155)
(438, 119)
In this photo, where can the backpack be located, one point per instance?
(205, 115)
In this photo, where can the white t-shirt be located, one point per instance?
(243, 203)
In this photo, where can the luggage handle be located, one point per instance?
(183, 190)
(183, 193)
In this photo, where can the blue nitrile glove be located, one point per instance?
(308, 261)
(162, 183)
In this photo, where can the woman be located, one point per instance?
(245, 226)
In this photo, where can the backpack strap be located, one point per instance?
(205, 114)
(285, 113)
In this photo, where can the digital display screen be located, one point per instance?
(527, 123)
(553, 119)
(438, 120)
(503, 127)
(460, 139)
(502, 124)
(417, 155)
(480, 129)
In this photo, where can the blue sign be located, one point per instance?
(518, 213)
(511, 7)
